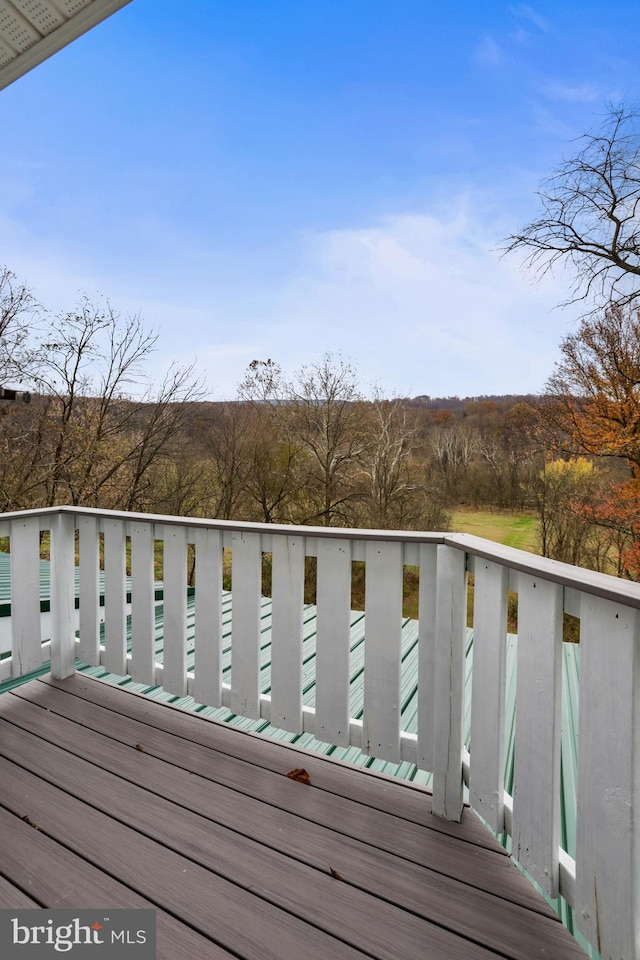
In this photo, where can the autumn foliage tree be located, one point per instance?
(592, 407)
(589, 221)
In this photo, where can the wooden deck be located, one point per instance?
(108, 799)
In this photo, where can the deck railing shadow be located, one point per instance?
(104, 570)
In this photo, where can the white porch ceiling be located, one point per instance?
(33, 30)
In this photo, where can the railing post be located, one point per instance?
(608, 841)
(486, 780)
(451, 609)
(427, 604)
(536, 792)
(63, 653)
(25, 596)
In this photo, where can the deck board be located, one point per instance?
(202, 824)
(338, 777)
(56, 877)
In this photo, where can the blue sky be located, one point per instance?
(282, 178)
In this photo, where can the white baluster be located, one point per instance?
(25, 596)
(63, 652)
(175, 610)
(245, 635)
(427, 592)
(451, 612)
(536, 794)
(608, 840)
(142, 603)
(333, 597)
(383, 650)
(207, 684)
(89, 650)
(115, 613)
(486, 783)
(286, 632)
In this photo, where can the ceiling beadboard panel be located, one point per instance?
(7, 53)
(71, 6)
(15, 30)
(42, 14)
(33, 30)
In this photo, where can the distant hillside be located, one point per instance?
(503, 402)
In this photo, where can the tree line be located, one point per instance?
(307, 448)
(310, 447)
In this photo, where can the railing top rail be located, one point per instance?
(289, 529)
(577, 578)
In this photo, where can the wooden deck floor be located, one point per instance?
(108, 799)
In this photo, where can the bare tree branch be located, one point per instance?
(590, 215)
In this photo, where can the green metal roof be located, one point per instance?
(45, 588)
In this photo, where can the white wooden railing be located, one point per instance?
(602, 883)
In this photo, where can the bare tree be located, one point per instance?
(453, 448)
(393, 493)
(590, 214)
(97, 444)
(17, 309)
(220, 432)
(273, 477)
(321, 410)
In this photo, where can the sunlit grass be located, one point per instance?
(511, 529)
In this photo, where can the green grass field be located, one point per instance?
(511, 529)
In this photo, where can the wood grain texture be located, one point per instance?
(142, 604)
(25, 596)
(175, 610)
(427, 599)
(608, 841)
(486, 781)
(115, 613)
(340, 778)
(57, 878)
(536, 790)
(63, 648)
(11, 897)
(382, 650)
(89, 600)
(287, 591)
(451, 606)
(246, 574)
(238, 852)
(333, 634)
(207, 686)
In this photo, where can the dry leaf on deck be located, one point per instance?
(140, 747)
(335, 874)
(299, 774)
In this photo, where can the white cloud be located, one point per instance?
(425, 304)
(422, 302)
(488, 51)
(572, 93)
(522, 11)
